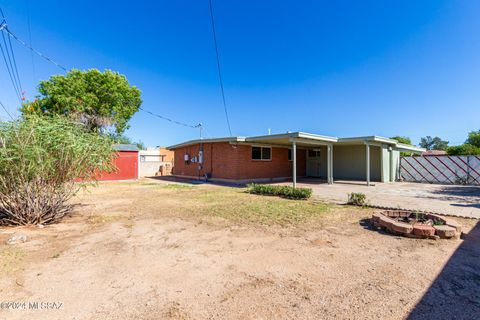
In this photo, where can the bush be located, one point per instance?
(282, 191)
(357, 199)
(40, 160)
(463, 150)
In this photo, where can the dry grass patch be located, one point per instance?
(11, 259)
(242, 207)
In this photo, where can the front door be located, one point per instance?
(313, 163)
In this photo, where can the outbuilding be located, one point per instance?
(126, 163)
(290, 156)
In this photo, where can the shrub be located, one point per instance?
(40, 160)
(357, 199)
(282, 191)
(463, 150)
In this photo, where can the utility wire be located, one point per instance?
(4, 108)
(30, 41)
(10, 56)
(15, 65)
(8, 63)
(171, 120)
(33, 50)
(218, 67)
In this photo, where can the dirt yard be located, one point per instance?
(152, 250)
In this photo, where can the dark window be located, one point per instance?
(261, 153)
(256, 153)
(289, 154)
(266, 153)
(313, 153)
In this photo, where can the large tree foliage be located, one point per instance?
(405, 140)
(470, 147)
(474, 138)
(435, 143)
(465, 149)
(122, 139)
(100, 100)
(40, 160)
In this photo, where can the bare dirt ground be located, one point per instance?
(150, 250)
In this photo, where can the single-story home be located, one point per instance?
(288, 156)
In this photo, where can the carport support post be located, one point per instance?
(367, 149)
(294, 156)
(330, 164)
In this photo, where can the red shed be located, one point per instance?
(126, 163)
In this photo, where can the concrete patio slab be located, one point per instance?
(454, 200)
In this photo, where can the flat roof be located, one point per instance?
(125, 147)
(303, 139)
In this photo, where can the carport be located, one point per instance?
(368, 158)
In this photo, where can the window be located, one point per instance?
(289, 154)
(261, 153)
(313, 153)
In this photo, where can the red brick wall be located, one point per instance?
(226, 161)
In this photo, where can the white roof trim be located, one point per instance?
(304, 135)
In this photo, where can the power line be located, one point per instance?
(30, 40)
(171, 120)
(33, 50)
(15, 65)
(8, 63)
(4, 108)
(218, 67)
(12, 62)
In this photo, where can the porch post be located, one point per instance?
(330, 164)
(367, 149)
(392, 165)
(294, 155)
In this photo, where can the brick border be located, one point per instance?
(385, 220)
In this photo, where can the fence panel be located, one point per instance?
(441, 169)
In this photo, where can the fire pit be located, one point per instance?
(416, 225)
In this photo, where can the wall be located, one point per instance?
(223, 160)
(127, 167)
(151, 164)
(349, 162)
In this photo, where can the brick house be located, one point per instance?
(288, 156)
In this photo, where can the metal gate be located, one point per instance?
(441, 169)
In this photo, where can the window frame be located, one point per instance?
(261, 153)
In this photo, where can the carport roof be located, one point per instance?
(303, 139)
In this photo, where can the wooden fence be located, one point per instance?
(441, 169)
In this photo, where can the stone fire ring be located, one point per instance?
(386, 220)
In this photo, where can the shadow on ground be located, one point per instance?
(460, 193)
(455, 293)
(194, 181)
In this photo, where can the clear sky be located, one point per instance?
(340, 68)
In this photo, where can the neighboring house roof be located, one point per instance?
(434, 153)
(125, 147)
(304, 139)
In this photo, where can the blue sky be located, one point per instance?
(340, 68)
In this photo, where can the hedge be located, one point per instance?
(281, 191)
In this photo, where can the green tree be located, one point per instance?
(435, 143)
(465, 149)
(41, 160)
(100, 100)
(405, 140)
(474, 138)
(126, 140)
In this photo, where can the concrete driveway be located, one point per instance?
(452, 200)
